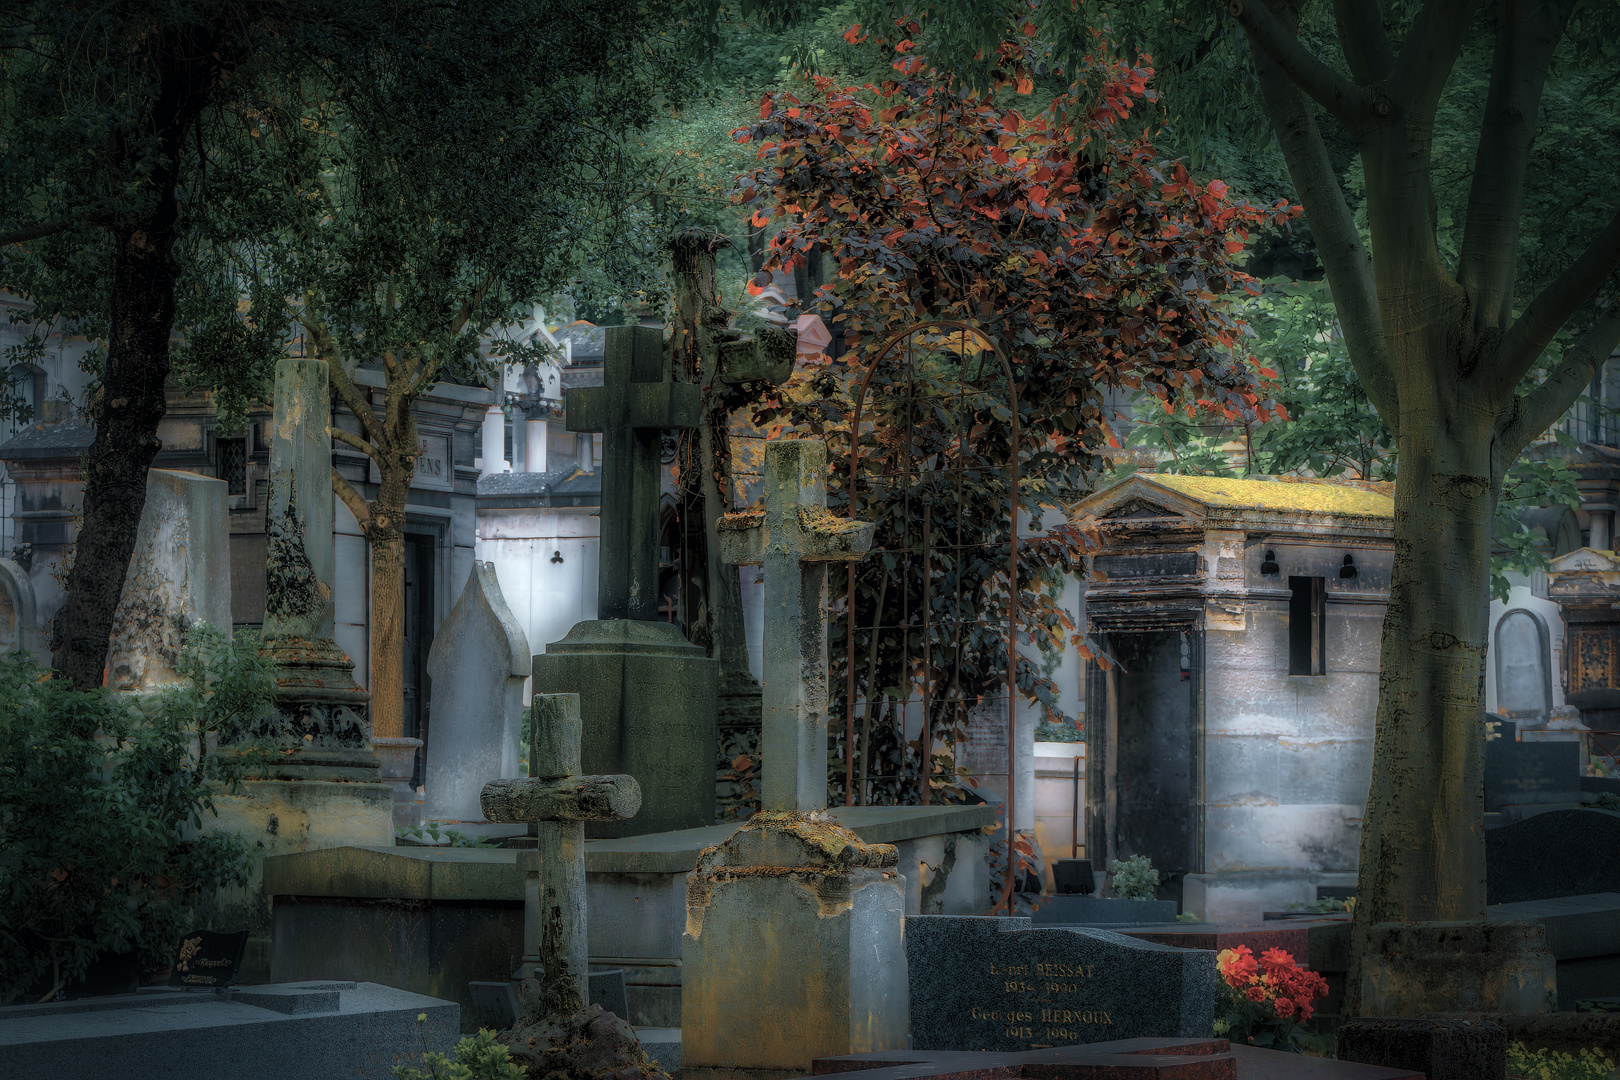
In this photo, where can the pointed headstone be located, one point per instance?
(479, 659)
(179, 575)
(18, 631)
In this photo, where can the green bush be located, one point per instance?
(478, 1057)
(1133, 879)
(1551, 1065)
(102, 797)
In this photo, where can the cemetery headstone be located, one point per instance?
(18, 630)
(648, 694)
(794, 537)
(1552, 855)
(179, 575)
(1530, 773)
(993, 983)
(793, 947)
(208, 959)
(557, 801)
(479, 659)
(1523, 678)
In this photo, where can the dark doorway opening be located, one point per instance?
(1155, 769)
(418, 600)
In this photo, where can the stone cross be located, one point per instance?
(635, 405)
(557, 802)
(794, 538)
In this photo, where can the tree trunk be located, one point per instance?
(131, 402)
(396, 467)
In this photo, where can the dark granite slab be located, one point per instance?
(1551, 855)
(996, 984)
(1121, 1059)
(1526, 773)
(1292, 936)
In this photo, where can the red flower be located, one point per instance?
(1285, 1007)
(1255, 993)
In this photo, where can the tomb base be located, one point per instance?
(794, 948)
(648, 702)
(1449, 968)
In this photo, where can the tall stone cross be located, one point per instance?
(557, 802)
(794, 538)
(635, 405)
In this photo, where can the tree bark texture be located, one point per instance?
(396, 466)
(131, 402)
(1441, 357)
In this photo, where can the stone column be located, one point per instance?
(494, 449)
(534, 430)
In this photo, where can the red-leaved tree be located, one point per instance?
(1093, 266)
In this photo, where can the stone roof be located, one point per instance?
(590, 341)
(1360, 498)
(562, 487)
(65, 439)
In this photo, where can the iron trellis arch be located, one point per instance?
(908, 336)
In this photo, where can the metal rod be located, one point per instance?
(1074, 843)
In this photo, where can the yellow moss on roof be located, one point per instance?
(1307, 496)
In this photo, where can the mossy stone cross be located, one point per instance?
(557, 802)
(794, 538)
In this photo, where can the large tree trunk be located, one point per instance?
(396, 466)
(131, 402)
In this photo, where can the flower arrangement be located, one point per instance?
(1263, 1002)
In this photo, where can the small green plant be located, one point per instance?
(1325, 905)
(1058, 731)
(450, 837)
(104, 803)
(1187, 916)
(1133, 879)
(1608, 800)
(478, 1057)
(1552, 1065)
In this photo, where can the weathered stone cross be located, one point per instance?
(794, 537)
(558, 803)
(635, 404)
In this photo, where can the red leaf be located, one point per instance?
(853, 34)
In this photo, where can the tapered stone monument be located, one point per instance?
(793, 947)
(322, 789)
(647, 695)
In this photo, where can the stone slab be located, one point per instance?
(1519, 773)
(1293, 938)
(1551, 855)
(313, 1031)
(1064, 910)
(1439, 1049)
(1123, 1059)
(985, 983)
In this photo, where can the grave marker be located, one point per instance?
(794, 538)
(993, 983)
(557, 802)
(208, 959)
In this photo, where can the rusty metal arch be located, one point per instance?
(885, 354)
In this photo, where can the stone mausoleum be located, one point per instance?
(1231, 739)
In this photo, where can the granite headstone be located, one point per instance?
(1554, 854)
(478, 662)
(988, 983)
(207, 959)
(1529, 773)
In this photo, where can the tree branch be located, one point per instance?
(35, 232)
(339, 376)
(1533, 330)
(1527, 35)
(1361, 35)
(1332, 91)
(350, 439)
(1538, 410)
(1349, 266)
(353, 500)
(471, 305)
(1430, 52)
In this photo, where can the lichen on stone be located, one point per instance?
(741, 521)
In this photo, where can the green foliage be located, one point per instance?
(102, 799)
(1553, 1065)
(478, 1057)
(1188, 917)
(451, 837)
(1047, 730)
(1133, 879)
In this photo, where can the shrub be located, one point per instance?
(101, 799)
(1133, 879)
(1263, 1002)
(1551, 1065)
(478, 1057)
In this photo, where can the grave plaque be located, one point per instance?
(208, 959)
(987, 983)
